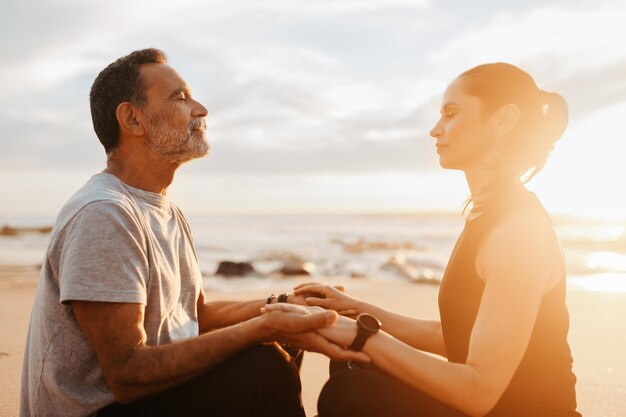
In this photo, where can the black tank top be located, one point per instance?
(543, 385)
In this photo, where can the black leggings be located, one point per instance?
(371, 393)
(261, 381)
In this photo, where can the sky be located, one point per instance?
(314, 106)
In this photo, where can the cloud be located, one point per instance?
(295, 86)
(592, 90)
(308, 8)
(576, 51)
(47, 145)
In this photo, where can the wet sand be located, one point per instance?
(597, 338)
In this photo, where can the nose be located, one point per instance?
(199, 110)
(436, 131)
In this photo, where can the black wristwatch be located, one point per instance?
(367, 325)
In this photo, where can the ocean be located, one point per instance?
(351, 249)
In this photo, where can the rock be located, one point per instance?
(410, 270)
(8, 231)
(363, 245)
(285, 257)
(302, 268)
(290, 263)
(234, 269)
(16, 231)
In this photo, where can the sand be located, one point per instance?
(597, 338)
(15, 305)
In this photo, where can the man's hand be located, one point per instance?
(285, 318)
(316, 339)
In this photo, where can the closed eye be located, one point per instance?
(449, 110)
(182, 94)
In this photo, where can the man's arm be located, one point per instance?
(218, 314)
(134, 370)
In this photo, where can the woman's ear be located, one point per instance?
(128, 119)
(506, 118)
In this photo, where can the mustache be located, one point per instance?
(197, 124)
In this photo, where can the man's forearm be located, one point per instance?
(219, 314)
(149, 370)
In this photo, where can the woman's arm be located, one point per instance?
(519, 261)
(424, 335)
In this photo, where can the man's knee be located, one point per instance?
(259, 381)
(276, 380)
(273, 365)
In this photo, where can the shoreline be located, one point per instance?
(597, 338)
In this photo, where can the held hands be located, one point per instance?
(314, 329)
(328, 297)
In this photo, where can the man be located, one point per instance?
(120, 324)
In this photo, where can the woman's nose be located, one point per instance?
(436, 131)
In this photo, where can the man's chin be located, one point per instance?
(200, 153)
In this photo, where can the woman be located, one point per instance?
(504, 322)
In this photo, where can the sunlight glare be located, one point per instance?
(614, 283)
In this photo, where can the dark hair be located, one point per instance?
(119, 82)
(543, 116)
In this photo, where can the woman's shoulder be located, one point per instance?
(524, 242)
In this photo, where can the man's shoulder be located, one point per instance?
(102, 192)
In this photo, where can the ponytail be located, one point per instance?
(555, 115)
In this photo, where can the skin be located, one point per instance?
(131, 368)
(467, 139)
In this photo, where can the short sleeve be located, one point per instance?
(103, 256)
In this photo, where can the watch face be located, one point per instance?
(368, 322)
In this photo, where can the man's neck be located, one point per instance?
(145, 173)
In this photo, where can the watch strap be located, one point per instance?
(367, 326)
(359, 340)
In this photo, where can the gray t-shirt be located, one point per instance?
(111, 243)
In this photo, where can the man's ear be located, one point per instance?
(129, 119)
(506, 118)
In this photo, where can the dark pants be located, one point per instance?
(261, 381)
(369, 392)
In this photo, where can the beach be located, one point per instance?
(597, 338)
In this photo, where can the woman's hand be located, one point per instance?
(341, 332)
(328, 297)
(326, 338)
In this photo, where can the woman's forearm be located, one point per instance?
(425, 335)
(456, 384)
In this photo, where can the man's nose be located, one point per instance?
(199, 110)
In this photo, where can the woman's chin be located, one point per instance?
(446, 163)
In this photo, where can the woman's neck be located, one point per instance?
(482, 183)
(479, 181)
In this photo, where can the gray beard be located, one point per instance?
(172, 145)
